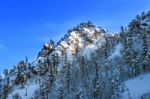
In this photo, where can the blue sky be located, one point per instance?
(25, 25)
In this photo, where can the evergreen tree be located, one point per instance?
(61, 94)
(145, 50)
(97, 84)
(68, 76)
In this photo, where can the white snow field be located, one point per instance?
(138, 87)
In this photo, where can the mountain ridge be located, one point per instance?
(87, 63)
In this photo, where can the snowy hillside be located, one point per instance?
(137, 88)
(87, 63)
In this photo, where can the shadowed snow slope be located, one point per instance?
(137, 87)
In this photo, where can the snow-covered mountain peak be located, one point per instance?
(79, 38)
(89, 62)
(141, 22)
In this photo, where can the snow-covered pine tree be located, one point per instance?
(145, 49)
(97, 85)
